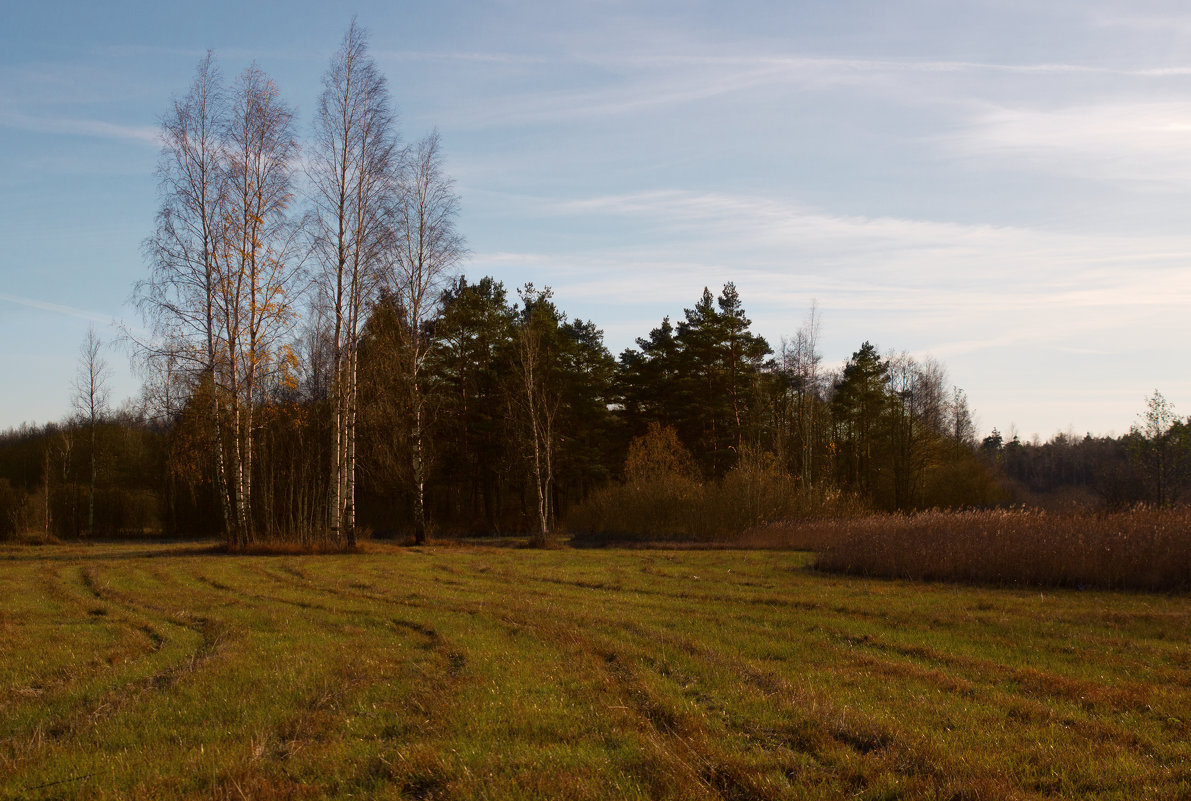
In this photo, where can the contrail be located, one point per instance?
(58, 308)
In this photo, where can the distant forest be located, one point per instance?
(318, 370)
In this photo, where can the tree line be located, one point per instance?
(527, 421)
(523, 414)
(1150, 464)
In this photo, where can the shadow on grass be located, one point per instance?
(82, 551)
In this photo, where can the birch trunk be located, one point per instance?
(351, 171)
(419, 470)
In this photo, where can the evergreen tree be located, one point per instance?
(592, 436)
(470, 365)
(719, 360)
(648, 380)
(858, 408)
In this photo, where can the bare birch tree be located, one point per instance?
(802, 360)
(258, 267)
(962, 428)
(179, 298)
(91, 405)
(538, 398)
(351, 172)
(426, 250)
(1155, 447)
(917, 417)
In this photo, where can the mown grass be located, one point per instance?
(164, 672)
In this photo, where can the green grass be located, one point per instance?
(164, 672)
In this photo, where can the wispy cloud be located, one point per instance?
(224, 55)
(953, 289)
(773, 233)
(1125, 142)
(620, 97)
(1140, 21)
(788, 67)
(632, 82)
(59, 308)
(68, 126)
(478, 57)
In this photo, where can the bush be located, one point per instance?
(755, 491)
(662, 499)
(121, 512)
(659, 499)
(68, 510)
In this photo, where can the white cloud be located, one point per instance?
(479, 57)
(1135, 143)
(791, 68)
(1145, 23)
(951, 289)
(633, 81)
(146, 134)
(771, 235)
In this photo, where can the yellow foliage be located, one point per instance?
(658, 454)
(289, 368)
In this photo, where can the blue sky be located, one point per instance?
(1004, 186)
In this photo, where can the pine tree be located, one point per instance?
(858, 408)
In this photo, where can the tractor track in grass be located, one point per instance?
(1031, 694)
(1025, 690)
(79, 608)
(74, 705)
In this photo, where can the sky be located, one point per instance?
(1003, 186)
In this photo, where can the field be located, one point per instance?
(163, 671)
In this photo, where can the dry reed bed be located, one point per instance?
(1143, 549)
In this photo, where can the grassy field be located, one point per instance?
(166, 672)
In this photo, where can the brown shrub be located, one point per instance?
(961, 483)
(656, 455)
(664, 508)
(661, 498)
(658, 498)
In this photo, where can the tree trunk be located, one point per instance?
(335, 490)
(46, 487)
(350, 476)
(418, 457)
(543, 531)
(91, 487)
(220, 468)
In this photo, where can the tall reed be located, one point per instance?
(1146, 549)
